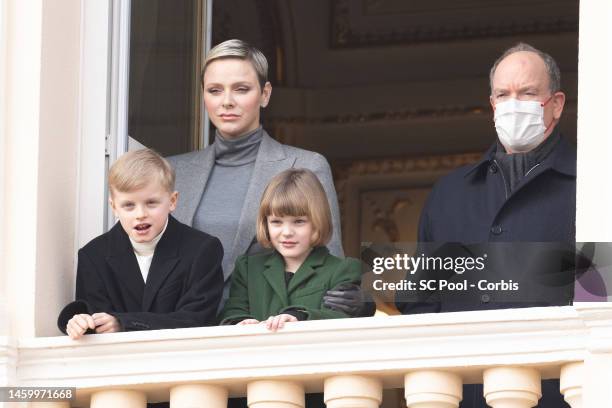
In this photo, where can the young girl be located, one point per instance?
(288, 285)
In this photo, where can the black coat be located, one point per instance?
(470, 205)
(183, 287)
(528, 235)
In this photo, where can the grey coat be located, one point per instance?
(192, 171)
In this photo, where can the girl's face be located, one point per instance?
(291, 237)
(233, 96)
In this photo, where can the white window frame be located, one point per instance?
(103, 109)
(118, 141)
(3, 35)
(94, 118)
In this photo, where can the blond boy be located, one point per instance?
(149, 271)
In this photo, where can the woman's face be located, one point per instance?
(233, 96)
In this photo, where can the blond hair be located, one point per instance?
(242, 50)
(135, 170)
(295, 192)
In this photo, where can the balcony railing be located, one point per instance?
(350, 360)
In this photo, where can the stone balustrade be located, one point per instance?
(352, 361)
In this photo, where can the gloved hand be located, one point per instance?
(350, 299)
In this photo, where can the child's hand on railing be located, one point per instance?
(278, 322)
(248, 321)
(106, 323)
(79, 324)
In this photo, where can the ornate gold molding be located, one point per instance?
(401, 165)
(356, 171)
(396, 115)
(346, 33)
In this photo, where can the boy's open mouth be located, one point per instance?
(142, 227)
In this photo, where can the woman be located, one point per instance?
(221, 186)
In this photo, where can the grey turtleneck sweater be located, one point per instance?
(221, 205)
(516, 166)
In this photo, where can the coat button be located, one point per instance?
(496, 229)
(485, 298)
(493, 169)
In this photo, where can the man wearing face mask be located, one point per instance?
(524, 187)
(518, 202)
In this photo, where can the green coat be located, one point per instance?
(258, 288)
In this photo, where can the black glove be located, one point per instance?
(350, 299)
(297, 313)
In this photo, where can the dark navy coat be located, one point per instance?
(528, 234)
(471, 204)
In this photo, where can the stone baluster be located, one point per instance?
(352, 391)
(512, 387)
(198, 396)
(275, 394)
(571, 379)
(118, 399)
(433, 389)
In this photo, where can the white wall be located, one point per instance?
(57, 164)
(40, 174)
(23, 66)
(4, 327)
(594, 202)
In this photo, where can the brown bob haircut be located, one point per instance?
(295, 192)
(136, 169)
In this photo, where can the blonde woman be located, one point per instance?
(221, 186)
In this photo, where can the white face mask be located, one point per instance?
(520, 124)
